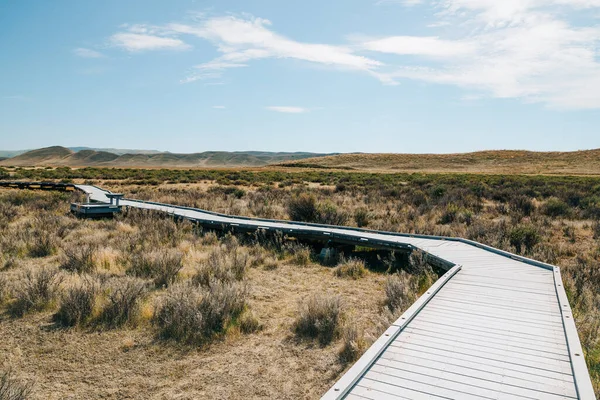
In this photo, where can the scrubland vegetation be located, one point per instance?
(146, 287)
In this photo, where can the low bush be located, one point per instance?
(123, 299)
(354, 343)
(80, 258)
(12, 388)
(449, 214)
(329, 214)
(226, 264)
(319, 318)
(399, 291)
(194, 314)
(36, 291)
(524, 237)
(555, 207)
(42, 244)
(522, 205)
(162, 267)
(417, 262)
(301, 255)
(303, 208)
(77, 304)
(351, 268)
(362, 217)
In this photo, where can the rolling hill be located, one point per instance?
(62, 156)
(586, 162)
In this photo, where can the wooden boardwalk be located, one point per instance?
(494, 326)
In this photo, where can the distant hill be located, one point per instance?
(62, 156)
(586, 162)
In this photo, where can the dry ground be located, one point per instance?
(556, 220)
(90, 362)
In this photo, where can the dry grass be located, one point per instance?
(279, 274)
(351, 268)
(12, 388)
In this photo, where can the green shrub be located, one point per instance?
(329, 214)
(450, 214)
(524, 236)
(555, 207)
(303, 208)
(522, 205)
(319, 318)
(362, 217)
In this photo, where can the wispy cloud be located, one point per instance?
(219, 107)
(245, 39)
(523, 49)
(534, 50)
(135, 41)
(288, 109)
(87, 53)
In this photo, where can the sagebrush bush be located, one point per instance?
(77, 304)
(522, 205)
(354, 343)
(319, 317)
(329, 214)
(399, 291)
(162, 267)
(301, 255)
(418, 263)
(555, 207)
(42, 243)
(80, 258)
(12, 388)
(524, 237)
(303, 208)
(449, 214)
(35, 291)
(362, 217)
(225, 263)
(123, 299)
(194, 314)
(350, 268)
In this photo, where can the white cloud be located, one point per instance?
(415, 45)
(135, 42)
(87, 53)
(512, 49)
(533, 50)
(219, 107)
(288, 109)
(405, 2)
(242, 40)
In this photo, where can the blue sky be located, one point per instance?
(414, 76)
